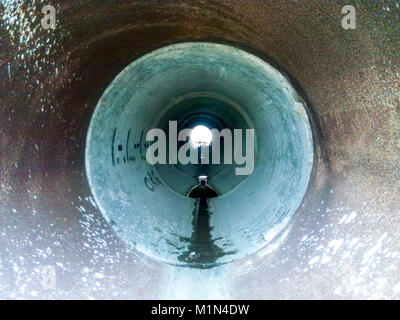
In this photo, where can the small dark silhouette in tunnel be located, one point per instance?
(202, 190)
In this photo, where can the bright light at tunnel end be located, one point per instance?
(200, 137)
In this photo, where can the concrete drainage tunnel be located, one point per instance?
(317, 217)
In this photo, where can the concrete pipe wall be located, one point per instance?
(335, 135)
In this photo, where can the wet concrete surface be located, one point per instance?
(344, 241)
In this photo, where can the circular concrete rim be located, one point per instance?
(298, 108)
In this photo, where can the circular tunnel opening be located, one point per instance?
(203, 214)
(222, 116)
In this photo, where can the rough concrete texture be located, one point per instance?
(343, 242)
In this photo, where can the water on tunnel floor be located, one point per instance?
(202, 251)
